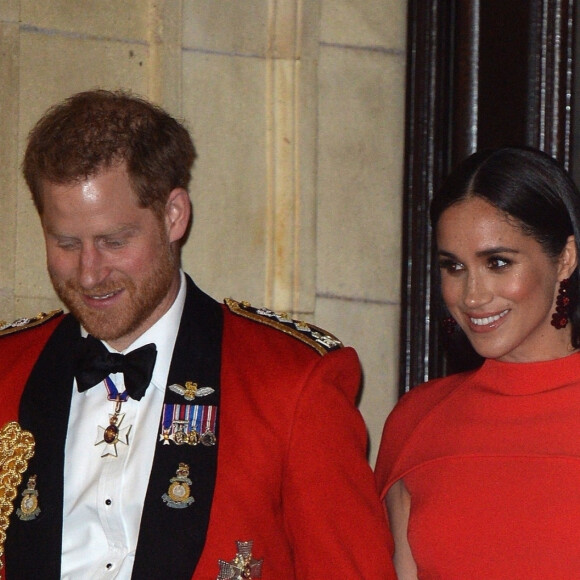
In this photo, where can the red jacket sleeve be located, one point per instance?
(333, 516)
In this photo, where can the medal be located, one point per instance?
(29, 509)
(113, 434)
(179, 493)
(208, 438)
(243, 566)
(180, 435)
(188, 424)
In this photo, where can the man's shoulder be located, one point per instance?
(313, 336)
(22, 341)
(21, 325)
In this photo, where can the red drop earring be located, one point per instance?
(562, 314)
(449, 325)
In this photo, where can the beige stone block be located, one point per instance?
(227, 26)
(9, 105)
(361, 135)
(224, 106)
(9, 10)
(31, 279)
(54, 67)
(107, 19)
(7, 305)
(373, 330)
(31, 306)
(365, 23)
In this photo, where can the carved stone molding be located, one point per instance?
(291, 119)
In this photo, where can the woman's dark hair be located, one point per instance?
(532, 189)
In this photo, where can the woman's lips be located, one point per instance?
(481, 323)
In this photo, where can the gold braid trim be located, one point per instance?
(317, 338)
(16, 448)
(26, 323)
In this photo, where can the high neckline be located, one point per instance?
(510, 378)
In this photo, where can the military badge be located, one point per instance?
(243, 566)
(29, 509)
(191, 390)
(179, 493)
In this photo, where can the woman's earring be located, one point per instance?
(562, 314)
(449, 325)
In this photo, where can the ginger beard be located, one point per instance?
(123, 319)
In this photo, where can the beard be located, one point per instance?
(123, 319)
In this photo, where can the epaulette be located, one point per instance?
(313, 336)
(25, 323)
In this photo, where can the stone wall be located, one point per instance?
(297, 111)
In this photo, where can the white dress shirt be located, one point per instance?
(104, 496)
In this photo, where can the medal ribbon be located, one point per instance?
(209, 418)
(198, 418)
(112, 391)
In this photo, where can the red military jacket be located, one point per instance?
(291, 479)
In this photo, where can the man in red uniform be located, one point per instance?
(175, 437)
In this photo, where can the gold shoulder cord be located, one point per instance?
(16, 448)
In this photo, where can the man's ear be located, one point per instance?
(177, 213)
(568, 259)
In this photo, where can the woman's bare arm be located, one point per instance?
(399, 507)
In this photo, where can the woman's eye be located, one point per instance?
(497, 263)
(450, 266)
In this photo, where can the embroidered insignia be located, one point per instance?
(16, 448)
(313, 336)
(25, 323)
(29, 509)
(188, 424)
(179, 493)
(243, 566)
(191, 390)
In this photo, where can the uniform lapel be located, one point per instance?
(172, 538)
(33, 548)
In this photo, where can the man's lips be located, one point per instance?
(101, 298)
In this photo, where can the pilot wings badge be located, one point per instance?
(191, 390)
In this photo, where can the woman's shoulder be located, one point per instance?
(408, 414)
(425, 396)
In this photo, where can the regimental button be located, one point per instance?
(108, 502)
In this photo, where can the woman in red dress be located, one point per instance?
(480, 471)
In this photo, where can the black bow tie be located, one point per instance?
(95, 363)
